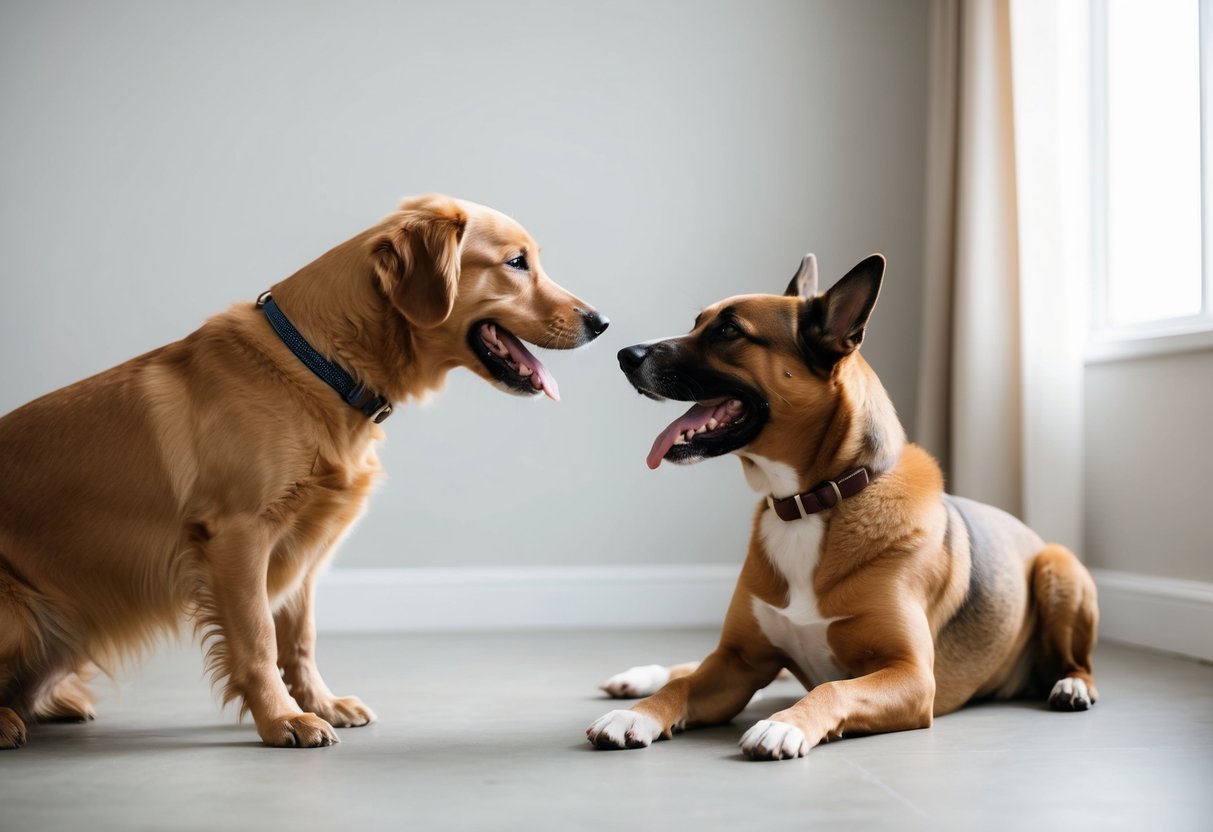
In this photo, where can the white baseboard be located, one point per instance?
(1167, 614)
(523, 598)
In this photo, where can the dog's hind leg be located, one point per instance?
(69, 700)
(16, 643)
(1067, 618)
(42, 671)
(295, 626)
(12, 728)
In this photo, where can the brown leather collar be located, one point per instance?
(820, 497)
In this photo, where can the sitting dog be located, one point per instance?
(209, 480)
(891, 601)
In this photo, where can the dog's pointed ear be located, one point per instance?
(416, 258)
(804, 282)
(833, 325)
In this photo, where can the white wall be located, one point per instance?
(1148, 532)
(1148, 453)
(159, 161)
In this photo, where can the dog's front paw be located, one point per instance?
(635, 682)
(771, 740)
(624, 729)
(343, 712)
(1071, 694)
(298, 731)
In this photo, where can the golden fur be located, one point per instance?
(209, 480)
(933, 601)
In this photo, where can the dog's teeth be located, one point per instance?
(681, 440)
(524, 370)
(734, 405)
(712, 424)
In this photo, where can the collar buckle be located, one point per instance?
(837, 493)
(800, 506)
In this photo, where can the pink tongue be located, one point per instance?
(522, 355)
(696, 417)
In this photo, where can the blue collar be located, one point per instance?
(355, 394)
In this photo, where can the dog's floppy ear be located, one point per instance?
(804, 282)
(832, 325)
(417, 258)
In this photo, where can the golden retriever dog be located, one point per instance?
(210, 480)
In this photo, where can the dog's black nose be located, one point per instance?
(595, 321)
(632, 357)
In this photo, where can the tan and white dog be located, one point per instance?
(209, 480)
(891, 601)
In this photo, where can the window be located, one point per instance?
(1151, 168)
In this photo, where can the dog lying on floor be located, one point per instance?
(212, 478)
(891, 601)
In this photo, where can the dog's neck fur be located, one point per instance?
(863, 430)
(336, 303)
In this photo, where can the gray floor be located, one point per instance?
(485, 732)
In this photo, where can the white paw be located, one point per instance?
(1070, 694)
(643, 680)
(770, 740)
(624, 729)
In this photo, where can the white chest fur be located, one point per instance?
(797, 629)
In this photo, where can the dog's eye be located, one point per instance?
(519, 263)
(728, 331)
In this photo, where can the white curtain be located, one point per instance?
(1001, 395)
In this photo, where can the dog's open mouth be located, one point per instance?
(510, 362)
(709, 428)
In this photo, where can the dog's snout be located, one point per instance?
(595, 321)
(630, 358)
